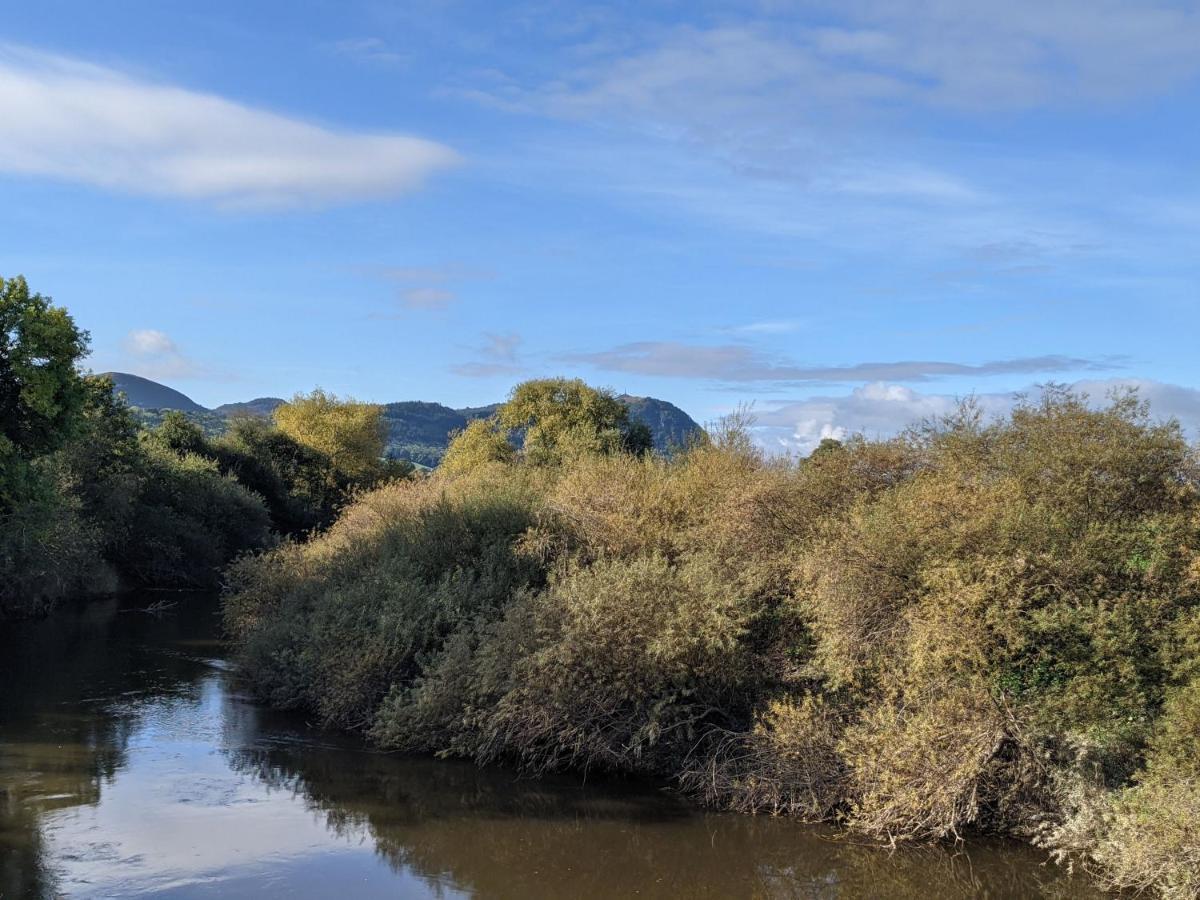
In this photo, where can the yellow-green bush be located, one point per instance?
(973, 626)
(1150, 837)
(333, 623)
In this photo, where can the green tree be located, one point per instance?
(41, 393)
(562, 418)
(177, 433)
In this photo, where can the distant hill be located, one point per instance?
(672, 428)
(149, 394)
(262, 406)
(417, 430)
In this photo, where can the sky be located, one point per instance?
(847, 214)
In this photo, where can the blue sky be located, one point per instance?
(848, 214)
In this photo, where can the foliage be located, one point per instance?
(348, 433)
(40, 390)
(480, 443)
(44, 541)
(90, 499)
(1151, 839)
(562, 418)
(979, 624)
(435, 557)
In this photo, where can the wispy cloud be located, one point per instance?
(740, 363)
(981, 56)
(430, 287)
(369, 50)
(498, 355)
(830, 101)
(84, 123)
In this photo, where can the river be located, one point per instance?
(133, 763)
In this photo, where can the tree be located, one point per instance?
(179, 434)
(561, 418)
(349, 433)
(41, 393)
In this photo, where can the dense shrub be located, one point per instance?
(334, 623)
(974, 626)
(115, 504)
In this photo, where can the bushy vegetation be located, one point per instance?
(977, 625)
(90, 500)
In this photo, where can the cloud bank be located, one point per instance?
(881, 410)
(83, 123)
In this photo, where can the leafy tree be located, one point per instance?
(102, 464)
(41, 394)
(349, 433)
(179, 434)
(562, 418)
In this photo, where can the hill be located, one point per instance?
(147, 394)
(261, 406)
(671, 426)
(418, 431)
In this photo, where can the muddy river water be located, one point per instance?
(132, 763)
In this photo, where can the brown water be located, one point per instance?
(132, 763)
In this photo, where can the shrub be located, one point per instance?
(973, 626)
(1151, 836)
(333, 623)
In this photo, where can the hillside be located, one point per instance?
(147, 394)
(671, 426)
(261, 406)
(418, 431)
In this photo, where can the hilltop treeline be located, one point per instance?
(973, 626)
(91, 501)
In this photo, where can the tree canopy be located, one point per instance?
(350, 433)
(41, 393)
(561, 418)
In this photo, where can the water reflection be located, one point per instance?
(130, 763)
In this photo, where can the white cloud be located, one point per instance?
(155, 354)
(883, 410)
(89, 124)
(149, 342)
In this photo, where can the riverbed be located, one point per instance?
(133, 763)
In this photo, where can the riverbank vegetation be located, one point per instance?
(90, 501)
(975, 626)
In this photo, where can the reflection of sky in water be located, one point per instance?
(177, 819)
